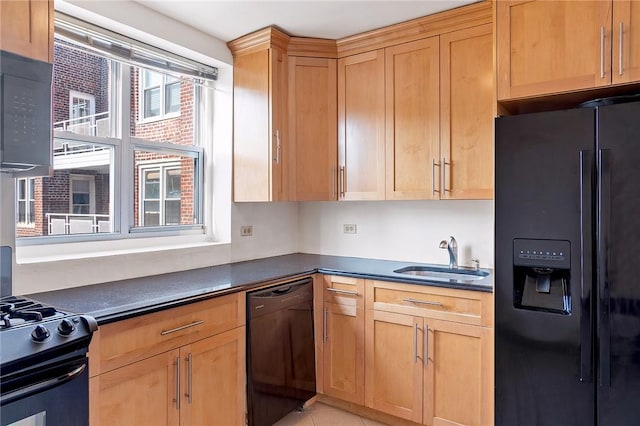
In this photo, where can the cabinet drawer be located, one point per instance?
(344, 290)
(440, 303)
(123, 342)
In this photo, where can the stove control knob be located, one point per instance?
(66, 327)
(40, 333)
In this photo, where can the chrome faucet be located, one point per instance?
(452, 248)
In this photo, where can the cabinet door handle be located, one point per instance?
(433, 177)
(177, 383)
(337, 290)
(423, 302)
(324, 325)
(415, 343)
(182, 327)
(342, 182)
(620, 49)
(333, 182)
(277, 158)
(601, 52)
(426, 345)
(444, 175)
(189, 378)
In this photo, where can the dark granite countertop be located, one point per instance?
(118, 300)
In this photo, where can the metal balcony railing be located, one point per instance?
(93, 125)
(67, 223)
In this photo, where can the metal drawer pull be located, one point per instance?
(423, 302)
(433, 177)
(324, 324)
(178, 383)
(601, 52)
(444, 175)
(415, 343)
(337, 290)
(182, 327)
(620, 49)
(426, 345)
(190, 378)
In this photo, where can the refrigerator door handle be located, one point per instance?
(586, 265)
(604, 255)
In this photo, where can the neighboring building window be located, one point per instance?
(160, 95)
(82, 196)
(26, 201)
(160, 195)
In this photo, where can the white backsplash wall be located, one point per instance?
(399, 230)
(275, 230)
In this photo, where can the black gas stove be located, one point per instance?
(43, 363)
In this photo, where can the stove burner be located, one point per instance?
(16, 311)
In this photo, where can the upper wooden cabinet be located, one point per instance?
(412, 77)
(466, 113)
(259, 113)
(312, 129)
(361, 115)
(26, 28)
(626, 41)
(548, 47)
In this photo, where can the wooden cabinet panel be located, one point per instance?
(453, 377)
(412, 120)
(626, 41)
(466, 112)
(312, 133)
(26, 28)
(259, 105)
(361, 113)
(313, 129)
(142, 394)
(214, 378)
(344, 352)
(546, 47)
(393, 366)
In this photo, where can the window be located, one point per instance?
(160, 95)
(26, 201)
(116, 174)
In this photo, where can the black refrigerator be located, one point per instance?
(567, 267)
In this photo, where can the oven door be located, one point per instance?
(56, 395)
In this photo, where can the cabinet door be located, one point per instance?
(457, 375)
(258, 138)
(546, 47)
(466, 112)
(26, 28)
(344, 352)
(394, 364)
(313, 129)
(143, 393)
(361, 126)
(626, 41)
(213, 380)
(412, 120)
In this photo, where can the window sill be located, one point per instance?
(91, 250)
(158, 118)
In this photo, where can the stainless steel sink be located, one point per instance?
(443, 273)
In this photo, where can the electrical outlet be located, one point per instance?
(350, 228)
(246, 231)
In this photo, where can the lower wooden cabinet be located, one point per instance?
(343, 338)
(429, 354)
(179, 367)
(210, 389)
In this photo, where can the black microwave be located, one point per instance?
(25, 116)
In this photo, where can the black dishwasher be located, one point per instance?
(280, 351)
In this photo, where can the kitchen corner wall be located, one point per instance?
(399, 230)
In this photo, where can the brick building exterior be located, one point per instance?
(77, 72)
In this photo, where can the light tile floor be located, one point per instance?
(320, 414)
